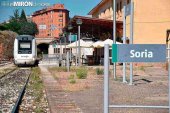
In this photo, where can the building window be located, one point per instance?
(56, 50)
(120, 5)
(60, 15)
(117, 6)
(60, 20)
(65, 50)
(60, 25)
(128, 1)
(60, 29)
(60, 11)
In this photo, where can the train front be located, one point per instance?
(24, 50)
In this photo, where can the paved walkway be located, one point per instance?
(58, 100)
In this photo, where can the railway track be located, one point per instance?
(1, 76)
(12, 89)
(5, 63)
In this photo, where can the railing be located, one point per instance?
(51, 56)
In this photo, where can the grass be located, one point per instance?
(71, 79)
(58, 69)
(36, 85)
(142, 68)
(99, 71)
(81, 73)
(73, 68)
(71, 76)
(6, 70)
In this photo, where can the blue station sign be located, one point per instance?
(138, 53)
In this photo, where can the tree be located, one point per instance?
(13, 26)
(3, 27)
(20, 25)
(28, 28)
(14, 22)
(15, 17)
(23, 16)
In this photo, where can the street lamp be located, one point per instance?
(60, 47)
(79, 22)
(69, 28)
(65, 34)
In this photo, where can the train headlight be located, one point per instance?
(19, 52)
(33, 58)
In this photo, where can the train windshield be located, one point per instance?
(26, 45)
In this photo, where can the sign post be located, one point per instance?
(133, 53)
(68, 62)
(114, 34)
(139, 53)
(128, 10)
(124, 42)
(106, 78)
(131, 40)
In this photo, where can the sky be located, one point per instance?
(76, 7)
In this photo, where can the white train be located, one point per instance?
(25, 50)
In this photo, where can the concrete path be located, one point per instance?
(58, 100)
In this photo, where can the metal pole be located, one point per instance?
(79, 49)
(124, 42)
(76, 51)
(56, 47)
(70, 43)
(131, 41)
(169, 76)
(137, 106)
(68, 62)
(106, 78)
(60, 50)
(114, 35)
(65, 46)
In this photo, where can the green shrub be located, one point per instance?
(142, 68)
(71, 76)
(73, 68)
(72, 81)
(58, 69)
(99, 71)
(81, 73)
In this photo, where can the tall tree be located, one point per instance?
(28, 28)
(23, 16)
(16, 16)
(13, 26)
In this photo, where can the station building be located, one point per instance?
(50, 22)
(151, 18)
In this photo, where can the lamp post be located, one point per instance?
(79, 22)
(65, 55)
(60, 48)
(64, 34)
(114, 33)
(69, 28)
